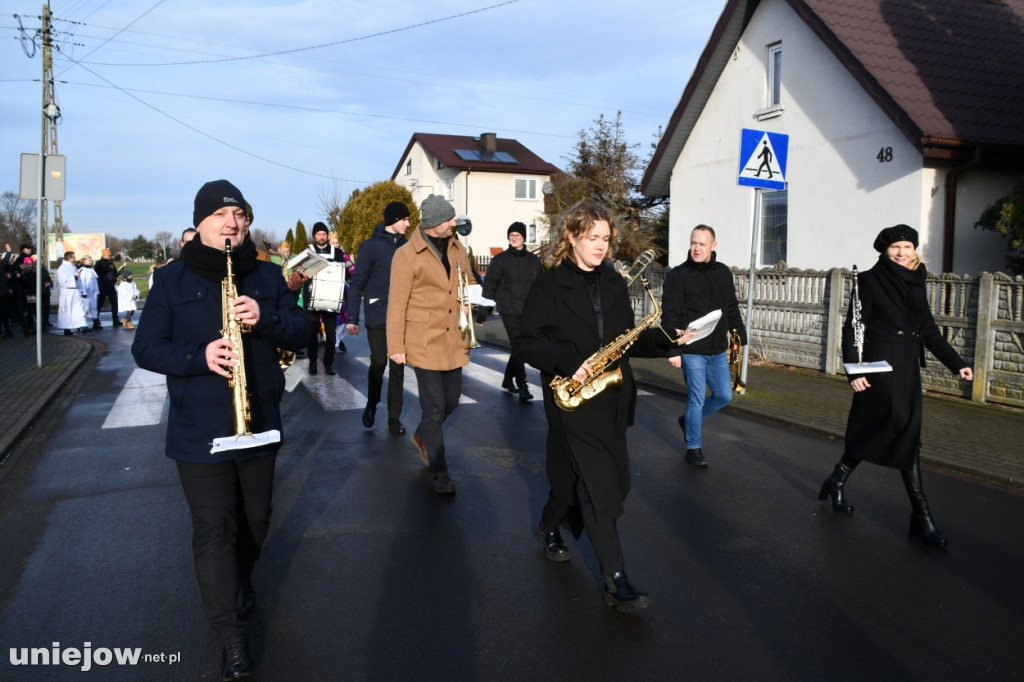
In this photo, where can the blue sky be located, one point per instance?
(296, 101)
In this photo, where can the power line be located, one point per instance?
(127, 26)
(323, 45)
(213, 137)
(298, 107)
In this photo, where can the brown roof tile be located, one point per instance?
(954, 67)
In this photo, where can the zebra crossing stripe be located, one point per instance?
(140, 402)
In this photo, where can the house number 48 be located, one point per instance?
(884, 155)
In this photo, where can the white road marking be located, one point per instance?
(140, 402)
(143, 398)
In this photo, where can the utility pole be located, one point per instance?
(51, 112)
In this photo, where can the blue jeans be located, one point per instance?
(699, 371)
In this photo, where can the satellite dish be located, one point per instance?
(548, 188)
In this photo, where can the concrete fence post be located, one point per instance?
(984, 336)
(834, 335)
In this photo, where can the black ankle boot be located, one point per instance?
(554, 546)
(922, 527)
(621, 594)
(833, 487)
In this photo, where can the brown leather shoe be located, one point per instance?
(418, 442)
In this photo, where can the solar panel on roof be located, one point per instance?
(485, 157)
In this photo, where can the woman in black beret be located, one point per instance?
(884, 426)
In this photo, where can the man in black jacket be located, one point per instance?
(106, 274)
(229, 490)
(372, 280)
(509, 276)
(694, 289)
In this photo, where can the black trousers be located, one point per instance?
(514, 369)
(230, 507)
(379, 360)
(111, 294)
(330, 332)
(439, 396)
(604, 535)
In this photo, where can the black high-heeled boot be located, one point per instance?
(922, 527)
(833, 487)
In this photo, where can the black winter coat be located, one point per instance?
(692, 290)
(372, 277)
(181, 316)
(884, 425)
(509, 277)
(558, 333)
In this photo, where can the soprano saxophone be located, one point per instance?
(232, 331)
(570, 393)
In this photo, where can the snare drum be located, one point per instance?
(327, 290)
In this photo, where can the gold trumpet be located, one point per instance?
(465, 310)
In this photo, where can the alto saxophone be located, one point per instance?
(465, 316)
(232, 331)
(570, 393)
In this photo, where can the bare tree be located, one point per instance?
(17, 219)
(163, 240)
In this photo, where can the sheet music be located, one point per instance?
(704, 325)
(308, 262)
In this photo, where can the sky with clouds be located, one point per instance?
(297, 100)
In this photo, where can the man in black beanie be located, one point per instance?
(228, 490)
(372, 281)
(508, 280)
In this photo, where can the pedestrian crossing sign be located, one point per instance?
(763, 158)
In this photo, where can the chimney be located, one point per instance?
(490, 141)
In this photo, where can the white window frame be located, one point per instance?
(763, 196)
(529, 188)
(408, 167)
(449, 189)
(773, 67)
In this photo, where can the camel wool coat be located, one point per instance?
(423, 308)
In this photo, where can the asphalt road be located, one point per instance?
(368, 575)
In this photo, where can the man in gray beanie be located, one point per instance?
(423, 327)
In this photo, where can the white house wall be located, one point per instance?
(487, 198)
(840, 195)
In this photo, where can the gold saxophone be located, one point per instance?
(570, 393)
(232, 331)
(465, 310)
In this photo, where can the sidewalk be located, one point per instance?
(26, 388)
(980, 440)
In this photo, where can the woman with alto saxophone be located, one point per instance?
(572, 312)
(884, 426)
(180, 335)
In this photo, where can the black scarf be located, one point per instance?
(210, 263)
(905, 286)
(591, 281)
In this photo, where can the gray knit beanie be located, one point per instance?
(435, 210)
